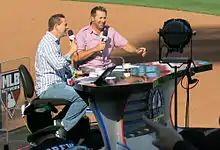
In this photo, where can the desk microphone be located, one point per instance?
(119, 57)
(71, 35)
(189, 75)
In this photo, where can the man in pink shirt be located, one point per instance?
(92, 51)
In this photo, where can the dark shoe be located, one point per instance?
(61, 133)
(80, 131)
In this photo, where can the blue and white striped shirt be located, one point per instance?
(49, 63)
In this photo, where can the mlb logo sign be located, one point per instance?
(10, 90)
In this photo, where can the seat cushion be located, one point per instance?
(48, 104)
(37, 102)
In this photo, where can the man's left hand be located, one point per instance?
(142, 51)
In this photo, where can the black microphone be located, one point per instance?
(104, 35)
(71, 35)
(72, 38)
(189, 77)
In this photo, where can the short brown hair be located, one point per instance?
(96, 8)
(55, 19)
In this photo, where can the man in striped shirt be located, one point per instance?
(50, 64)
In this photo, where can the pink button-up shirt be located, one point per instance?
(87, 38)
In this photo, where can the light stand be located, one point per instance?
(189, 75)
(176, 34)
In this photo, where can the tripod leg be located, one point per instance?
(175, 99)
(187, 107)
(187, 92)
(6, 147)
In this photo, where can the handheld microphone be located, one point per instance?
(104, 35)
(71, 35)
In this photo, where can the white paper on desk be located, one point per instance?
(82, 80)
(85, 82)
(130, 66)
(119, 69)
(110, 78)
(93, 74)
(85, 79)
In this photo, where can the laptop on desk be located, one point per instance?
(97, 80)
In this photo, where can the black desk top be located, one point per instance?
(143, 76)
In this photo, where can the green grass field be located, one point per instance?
(201, 6)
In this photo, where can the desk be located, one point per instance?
(110, 102)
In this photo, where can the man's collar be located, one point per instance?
(91, 30)
(55, 39)
(58, 42)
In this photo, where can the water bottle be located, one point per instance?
(69, 74)
(69, 81)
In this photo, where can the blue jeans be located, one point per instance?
(76, 110)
